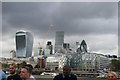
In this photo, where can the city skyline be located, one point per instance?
(94, 22)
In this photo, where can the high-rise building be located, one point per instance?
(83, 47)
(59, 40)
(24, 44)
(66, 46)
(49, 46)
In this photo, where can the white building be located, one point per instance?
(53, 62)
(47, 52)
(89, 62)
(78, 61)
(103, 61)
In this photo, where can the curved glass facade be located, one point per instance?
(24, 44)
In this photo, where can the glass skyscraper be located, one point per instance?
(24, 44)
(59, 40)
(83, 46)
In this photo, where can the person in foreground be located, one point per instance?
(66, 75)
(26, 72)
(13, 75)
(2, 74)
(112, 76)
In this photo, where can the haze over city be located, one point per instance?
(94, 22)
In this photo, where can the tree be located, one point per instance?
(20, 65)
(37, 66)
(5, 65)
(115, 65)
(23, 63)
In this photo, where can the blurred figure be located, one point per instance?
(2, 74)
(112, 76)
(13, 75)
(26, 72)
(66, 75)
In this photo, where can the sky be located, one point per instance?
(94, 22)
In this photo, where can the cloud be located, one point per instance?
(76, 19)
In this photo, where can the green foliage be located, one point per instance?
(37, 66)
(20, 65)
(115, 64)
(5, 65)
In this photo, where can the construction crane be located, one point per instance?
(41, 45)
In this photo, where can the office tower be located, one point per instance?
(83, 46)
(49, 46)
(24, 44)
(66, 46)
(77, 46)
(59, 40)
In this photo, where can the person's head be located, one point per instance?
(12, 68)
(26, 71)
(66, 70)
(111, 75)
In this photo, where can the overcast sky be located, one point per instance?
(94, 22)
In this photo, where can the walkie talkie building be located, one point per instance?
(24, 44)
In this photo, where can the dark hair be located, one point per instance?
(67, 66)
(14, 65)
(28, 67)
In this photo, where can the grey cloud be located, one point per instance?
(37, 16)
(74, 18)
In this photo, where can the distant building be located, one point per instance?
(59, 40)
(24, 44)
(65, 59)
(88, 61)
(46, 52)
(41, 61)
(119, 58)
(112, 57)
(13, 53)
(49, 46)
(77, 45)
(103, 61)
(66, 46)
(83, 47)
(53, 62)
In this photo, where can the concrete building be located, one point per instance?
(88, 61)
(47, 52)
(49, 46)
(52, 62)
(24, 44)
(59, 40)
(103, 61)
(79, 61)
(13, 53)
(66, 46)
(112, 57)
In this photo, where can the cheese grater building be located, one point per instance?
(24, 44)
